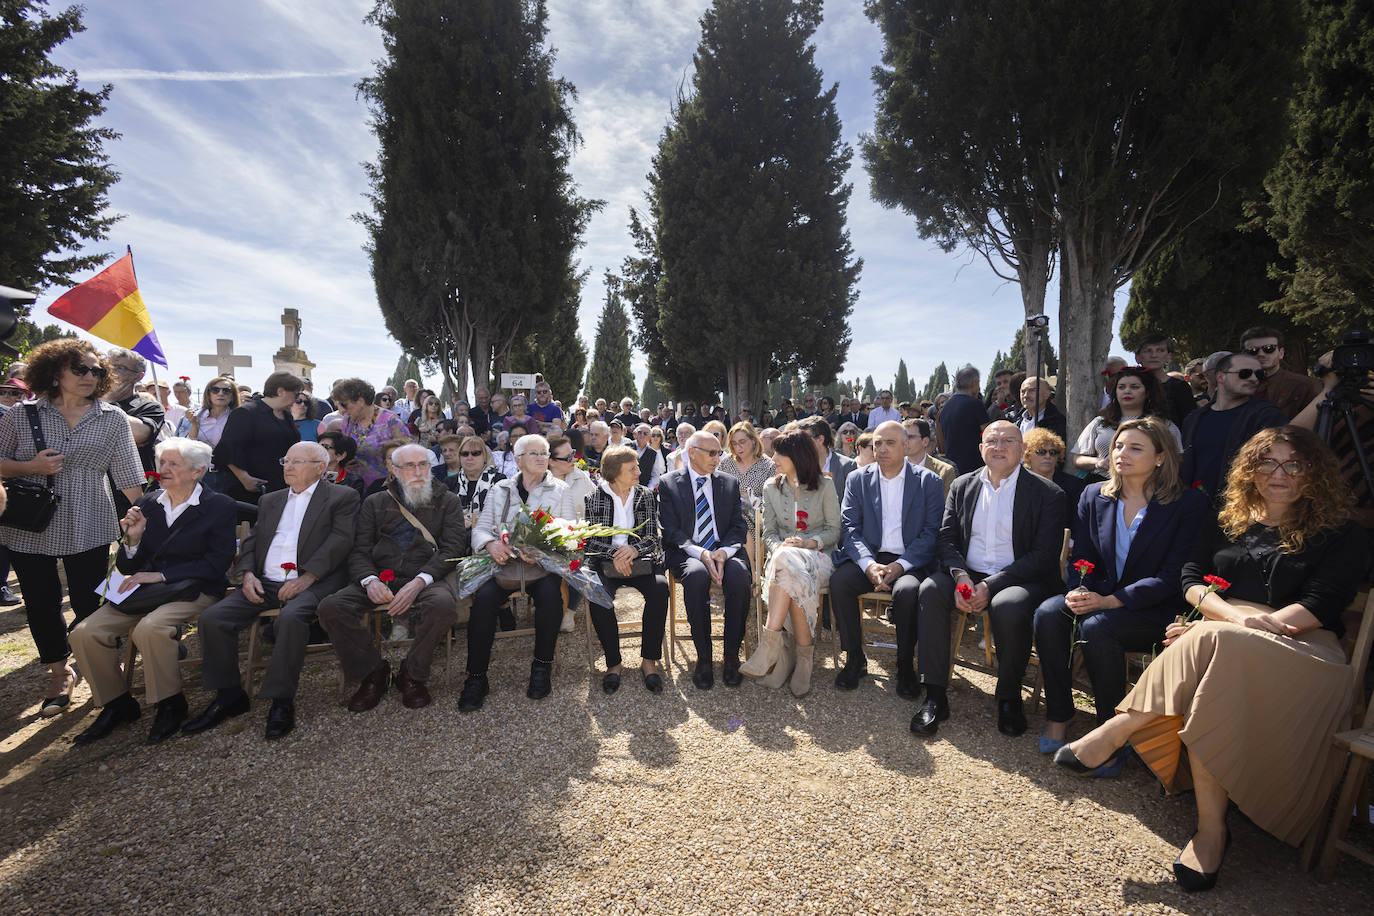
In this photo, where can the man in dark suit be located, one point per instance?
(853, 414)
(1000, 539)
(405, 538)
(703, 538)
(1037, 409)
(295, 557)
(888, 521)
(833, 463)
(651, 465)
(961, 421)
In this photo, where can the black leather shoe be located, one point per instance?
(848, 677)
(610, 682)
(933, 712)
(475, 690)
(1011, 721)
(1194, 881)
(171, 712)
(729, 674)
(653, 682)
(908, 688)
(540, 681)
(281, 718)
(702, 677)
(117, 712)
(217, 712)
(371, 690)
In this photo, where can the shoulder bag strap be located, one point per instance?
(39, 443)
(410, 517)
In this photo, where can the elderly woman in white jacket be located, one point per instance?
(533, 488)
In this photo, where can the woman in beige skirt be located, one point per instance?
(801, 526)
(1242, 704)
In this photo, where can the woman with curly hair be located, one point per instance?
(370, 425)
(1255, 688)
(1135, 393)
(87, 444)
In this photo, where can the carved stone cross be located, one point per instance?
(224, 359)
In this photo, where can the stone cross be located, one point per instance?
(224, 359)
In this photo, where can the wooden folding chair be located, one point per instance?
(518, 601)
(622, 626)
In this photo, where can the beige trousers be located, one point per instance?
(155, 635)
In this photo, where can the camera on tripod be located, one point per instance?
(1354, 355)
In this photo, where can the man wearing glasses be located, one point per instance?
(1289, 391)
(883, 412)
(295, 557)
(1212, 435)
(146, 416)
(544, 410)
(703, 533)
(650, 459)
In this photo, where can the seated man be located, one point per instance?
(918, 452)
(407, 533)
(179, 541)
(295, 556)
(1002, 531)
(703, 533)
(888, 521)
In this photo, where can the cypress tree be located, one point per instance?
(609, 376)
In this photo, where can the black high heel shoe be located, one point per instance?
(1192, 880)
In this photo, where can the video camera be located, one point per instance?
(1354, 354)
(10, 299)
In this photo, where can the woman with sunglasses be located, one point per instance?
(303, 416)
(370, 425)
(207, 424)
(468, 471)
(426, 425)
(89, 445)
(1045, 453)
(847, 440)
(1136, 530)
(1255, 688)
(1135, 392)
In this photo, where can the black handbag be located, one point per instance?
(638, 567)
(153, 595)
(30, 506)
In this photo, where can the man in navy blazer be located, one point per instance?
(838, 466)
(1000, 538)
(703, 539)
(888, 523)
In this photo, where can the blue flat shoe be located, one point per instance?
(1050, 745)
(1112, 770)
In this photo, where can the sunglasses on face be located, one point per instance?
(220, 389)
(81, 370)
(1267, 348)
(302, 400)
(470, 454)
(1246, 373)
(1052, 452)
(386, 398)
(10, 392)
(565, 458)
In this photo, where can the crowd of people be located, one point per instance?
(965, 504)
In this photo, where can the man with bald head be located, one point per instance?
(295, 556)
(703, 537)
(1000, 538)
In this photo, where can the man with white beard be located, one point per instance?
(406, 536)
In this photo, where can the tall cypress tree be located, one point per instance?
(475, 218)
(902, 389)
(54, 173)
(609, 376)
(748, 209)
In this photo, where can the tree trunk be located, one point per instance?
(481, 359)
(1035, 276)
(745, 380)
(1086, 311)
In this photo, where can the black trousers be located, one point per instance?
(43, 595)
(1011, 610)
(548, 617)
(737, 583)
(847, 583)
(654, 588)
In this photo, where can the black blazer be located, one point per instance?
(326, 535)
(1053, 420)
(1037, 531)
(677, 513)
(1150, 579)
(199, 545)
(601, 511)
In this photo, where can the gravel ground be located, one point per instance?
(734, 800)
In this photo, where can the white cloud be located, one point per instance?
(215, 76)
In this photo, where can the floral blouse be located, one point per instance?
(371, 442)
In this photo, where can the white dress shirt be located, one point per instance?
(283, 546)
(171, 512)
(695, 550)
(882, 415)
(624, 516)
(989, 543)
(656, 473)
(892, 490)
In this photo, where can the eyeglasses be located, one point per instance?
(81, 370)
(1292, 467)
(1246, 373)
(1266, 349)
(1052, 452)
(535, 455)
(713, 452)
(10, 392)
(385, 397)
(411, 466)
(221, 389)
(297, 462)
(565, 458)
(470, 454)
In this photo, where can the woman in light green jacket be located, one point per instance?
(801, 526)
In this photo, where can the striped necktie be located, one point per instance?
(705, 534)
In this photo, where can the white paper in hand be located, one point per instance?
(109, 588)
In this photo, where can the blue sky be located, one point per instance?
(241, 154)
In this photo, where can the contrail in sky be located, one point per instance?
(218, 76)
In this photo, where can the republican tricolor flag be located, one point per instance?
(110, 306)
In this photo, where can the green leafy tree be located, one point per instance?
(870, 391)
(28, 335)
(902, 389)
(938, 382)
(651, 393)
(555, 350)
(609, 376)
(1321, 191)
(474, 216)
(1129, 119)
(748, 201)
(54, 174)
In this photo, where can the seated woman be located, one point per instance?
(474, 474)
(745, 461)
(1136, 530)
(1135, 393)
(533, 488)
(342, 450)
(801, 526)
(863, 450)
(633, 560)
(1255, 689)
(847, 440)
(1045, 456)
(178, 544)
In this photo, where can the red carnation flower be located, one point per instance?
(151, 476)
(386, 575)
(289, 567)
(582, 544)
(1084, 567)
(184, 378)
(964, 590)
(801, 526)
(575, 565)
(1221, 584)
(801, 513)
